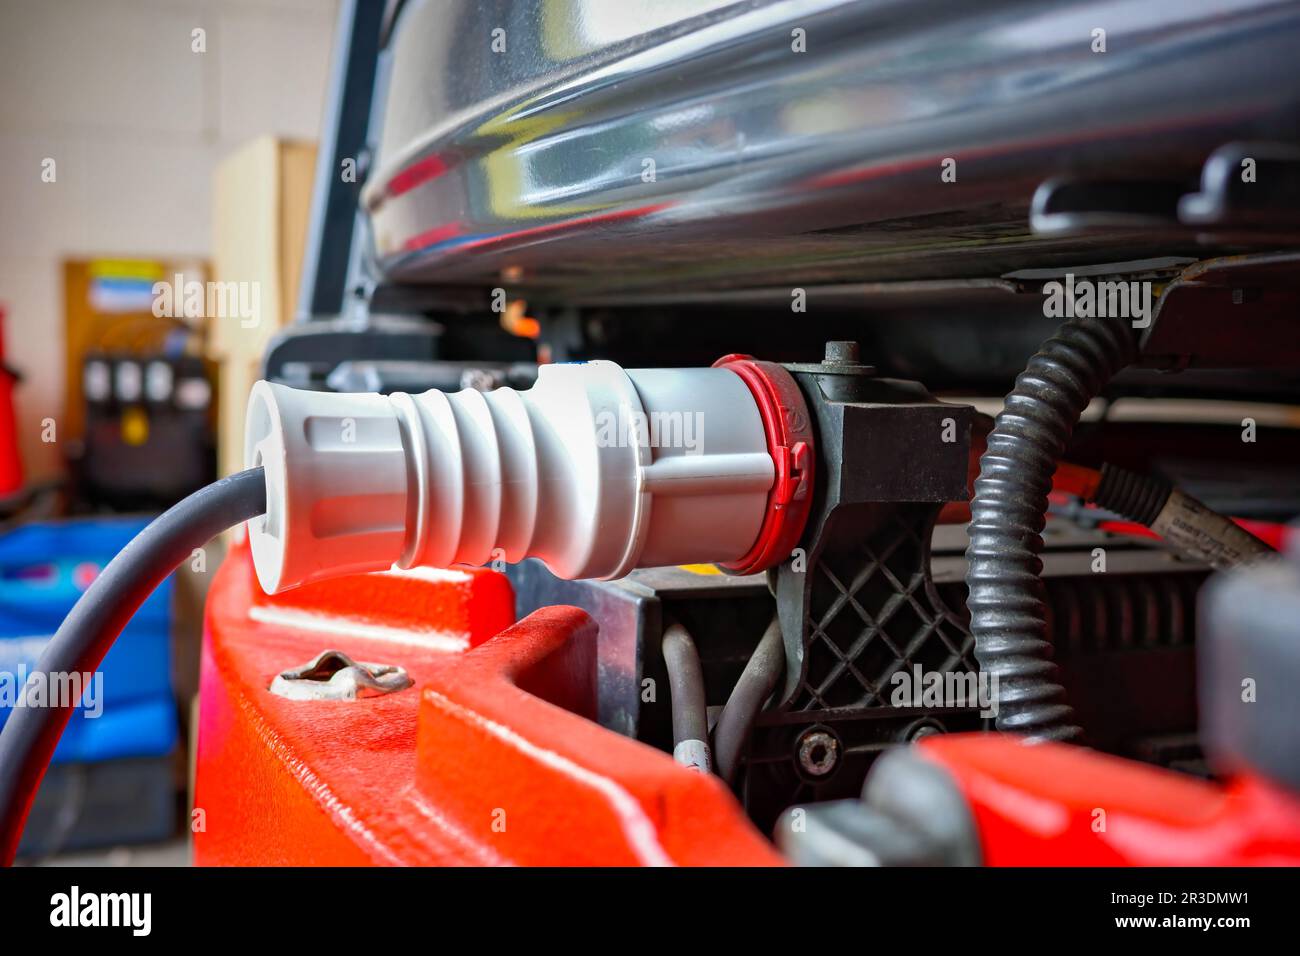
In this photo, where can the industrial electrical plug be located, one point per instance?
(595, 470)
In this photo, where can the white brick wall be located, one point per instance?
(136, 122)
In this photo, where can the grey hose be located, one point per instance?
(755, 686)
(690, 712)
(32, 732)
(1008, 601)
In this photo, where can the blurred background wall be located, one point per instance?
(136, 122)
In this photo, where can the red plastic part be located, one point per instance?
(1060, 805)
(491, 758)
(11, 463)
(1272, 533)
(790, 443)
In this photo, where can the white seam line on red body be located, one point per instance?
(485, 855)
(640, 831)
(316, 788)
(423, 573)
(349, 627)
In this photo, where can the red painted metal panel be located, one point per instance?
(1059, 805)
(491, 758)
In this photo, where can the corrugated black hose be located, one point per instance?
(1008, 601)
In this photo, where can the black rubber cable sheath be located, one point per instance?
(1185, 524)
(686, 684)
(753, 688)
(1008, 600)
(30, 735)
(1136, 497)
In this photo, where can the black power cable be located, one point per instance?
(1188, 525)
(32, 732)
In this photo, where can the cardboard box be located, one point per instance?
(262, 200)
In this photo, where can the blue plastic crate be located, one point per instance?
(44, 568)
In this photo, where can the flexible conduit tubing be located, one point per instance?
(1008, 600)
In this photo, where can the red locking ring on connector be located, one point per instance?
(790, 443)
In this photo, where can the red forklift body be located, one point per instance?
(491, 757)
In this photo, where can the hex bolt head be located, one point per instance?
(842, 353)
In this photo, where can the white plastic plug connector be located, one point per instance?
(595, 470)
